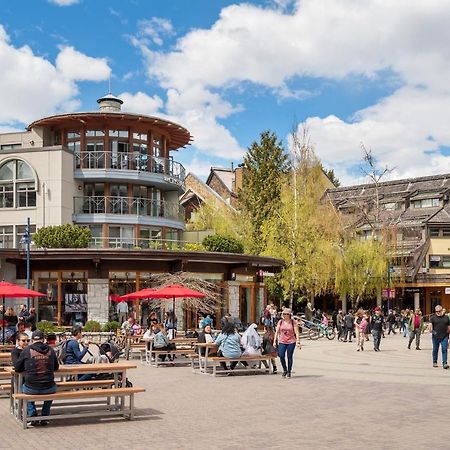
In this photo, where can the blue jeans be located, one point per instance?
(282, 349)
(444, 345)
(31, 407)
(376, 335)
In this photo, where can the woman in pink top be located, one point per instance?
(286, 336)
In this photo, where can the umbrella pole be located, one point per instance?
(3, 320)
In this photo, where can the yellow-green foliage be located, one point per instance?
(362, 269)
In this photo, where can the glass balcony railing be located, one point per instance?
(128, 205)
(137, 243)
(129, 161)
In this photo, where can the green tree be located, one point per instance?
(266, 164)
(222, 219)
(305, 230)
(362, 269)
(332, 177)
(62, 236)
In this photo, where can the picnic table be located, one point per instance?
(184, 347)
(203, 359)
(78, 408)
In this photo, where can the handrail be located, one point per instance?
(138, 243)
(129, 161)
(127, 205)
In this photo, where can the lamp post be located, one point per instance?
(26, 239)
(390, 270)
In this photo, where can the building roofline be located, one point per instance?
(390, 183)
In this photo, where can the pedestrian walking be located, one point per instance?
(340, 324)
(415, 326)
(348, 324)
(439, 324)
(377, 328)
(391, 321)
(362, 327)
(286, 337)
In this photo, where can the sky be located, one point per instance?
(372, 73)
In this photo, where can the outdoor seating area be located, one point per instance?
(105, 397)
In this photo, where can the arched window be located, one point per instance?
(17, 185)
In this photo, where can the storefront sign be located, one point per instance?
(388, 293)
(447, 290)
(173, 181)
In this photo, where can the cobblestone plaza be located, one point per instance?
(338, 398)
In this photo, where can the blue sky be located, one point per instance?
(373, 72)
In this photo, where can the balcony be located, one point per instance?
(137, 243)
(133, 166)
(128, 206)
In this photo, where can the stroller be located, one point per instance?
(109, 353)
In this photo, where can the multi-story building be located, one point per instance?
(113, 172)
(416, 212)
(108, 170)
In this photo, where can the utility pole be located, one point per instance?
(26, 238)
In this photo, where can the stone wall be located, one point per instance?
(98, 305)
(233, 298)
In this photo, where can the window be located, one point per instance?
(10, 146)
(73, 135)
(118, 133)
(446, 232)
(140, 136)
(425, 203)
(6, 236)
(95, 133)
(17, 185)
(389, 206)
(440, 261)
(434, 232)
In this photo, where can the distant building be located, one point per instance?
(417, 210)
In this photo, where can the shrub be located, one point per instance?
(62, 236)
(92, 326)
(219, 243)
(193, 247)
(46, 327)
(113, 325)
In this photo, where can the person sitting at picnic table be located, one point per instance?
(170, 324)
(206, 336)
(11, 319)
(73, 353)
(21, 344)
(127, 326)
(251, 341)
(229, 344)
(268, 348)
(160, 342)
(39, 362)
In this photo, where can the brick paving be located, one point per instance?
(338, 398)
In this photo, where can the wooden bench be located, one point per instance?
(216, 360)
(179, 352)
(68, 385)
(80, 410)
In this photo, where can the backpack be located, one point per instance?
(61, 351)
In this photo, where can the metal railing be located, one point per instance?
(129, 161)
(127, 205)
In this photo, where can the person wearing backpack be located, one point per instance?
(286, 337)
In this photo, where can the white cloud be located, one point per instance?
(331, 39)
(141, 103)
(64, 2)
(32, 87)
(77, 66)
(199, 166)
(155, 28)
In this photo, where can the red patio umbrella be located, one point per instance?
(176, 291)
(143, 293)
(15, 291)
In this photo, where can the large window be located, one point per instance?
(6, 236)
(440, 261)
(17, 185)
(425, 203)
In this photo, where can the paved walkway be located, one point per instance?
(338, 398)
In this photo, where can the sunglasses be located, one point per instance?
(24, 340)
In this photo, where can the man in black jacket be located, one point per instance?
(377, 328)
(21, 344)
(39, 363)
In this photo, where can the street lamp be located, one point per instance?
(26, 239)
(390, 270)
